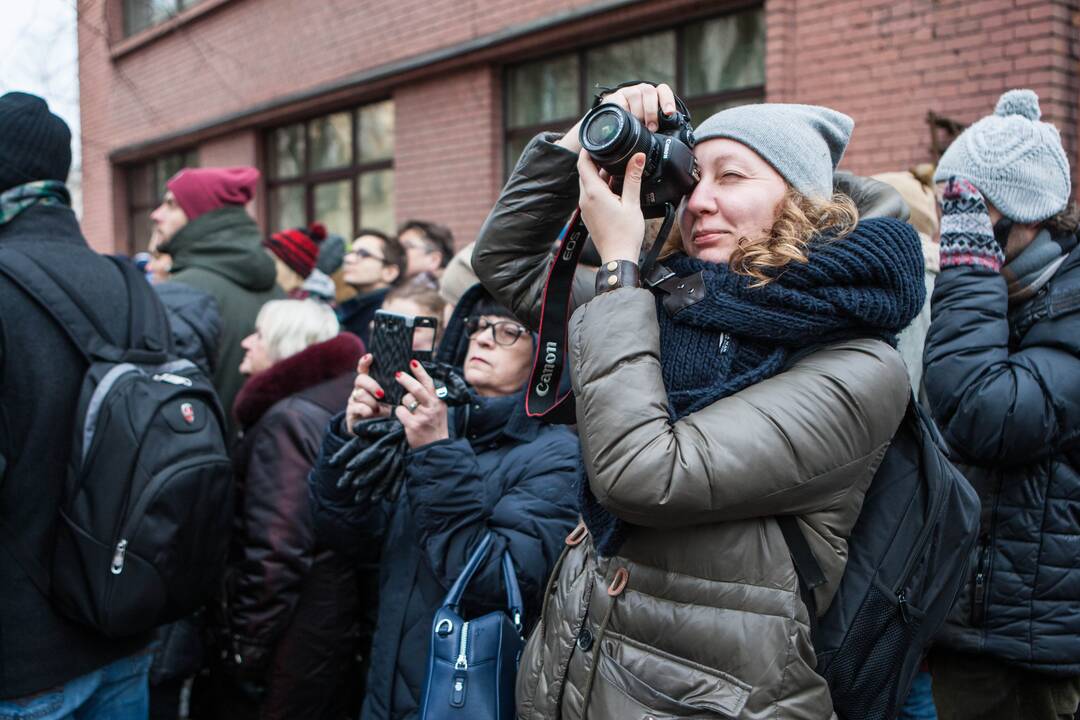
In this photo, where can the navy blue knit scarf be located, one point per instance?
(868, 284)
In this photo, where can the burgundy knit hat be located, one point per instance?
(200, 190)
(298, 248)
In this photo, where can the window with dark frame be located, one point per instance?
(712, 64)
(140, 15)
(145, 189)
(337, 169)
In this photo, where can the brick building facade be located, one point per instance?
(369, 113)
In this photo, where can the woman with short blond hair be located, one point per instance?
(289, 620)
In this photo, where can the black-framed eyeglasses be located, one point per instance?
(363, 254)
(503, 332)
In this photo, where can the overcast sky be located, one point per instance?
(39, 54)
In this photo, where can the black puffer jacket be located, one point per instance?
(195, 321)
(1004, 386)
(291, 606)
(501, 472)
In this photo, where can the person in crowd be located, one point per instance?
(331, 265)
(469, 470)
(160, 263)
(217, 247)
(294, 253)
(428, 247)
(290, 609)
(456, 279)
(50, 667)
(374, 263)
(916, 188)
(703, 415)
(418, 296)
(1002, 375)
(195, 324)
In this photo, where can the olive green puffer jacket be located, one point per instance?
(699, 614)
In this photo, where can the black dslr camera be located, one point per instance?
(611, 135)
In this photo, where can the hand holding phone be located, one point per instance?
(392, 349)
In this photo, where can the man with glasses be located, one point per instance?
(428, 247)
(372, 266)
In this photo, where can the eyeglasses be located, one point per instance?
(426, 247)
(503, 332)
(364, 254)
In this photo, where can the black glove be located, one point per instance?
(374, 460)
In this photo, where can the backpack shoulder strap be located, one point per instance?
(55, 299)
(807, 568)
(149, 331)
(60, 300)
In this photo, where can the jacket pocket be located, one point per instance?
(637, 681)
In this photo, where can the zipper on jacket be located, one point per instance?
(462, 658)
(978, 603)
(118, 557)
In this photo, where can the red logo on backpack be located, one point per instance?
(188, 412)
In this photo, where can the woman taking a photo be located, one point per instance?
(470, 470)
(771, 389)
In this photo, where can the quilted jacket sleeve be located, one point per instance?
(993, 403)
(355, 531)
(454, 506)
(792, 444)
(517, 241)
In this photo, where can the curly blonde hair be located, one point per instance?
(799, 220)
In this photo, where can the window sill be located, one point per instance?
(145, 37)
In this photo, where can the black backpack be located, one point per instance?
(145, 513)
(907, 562)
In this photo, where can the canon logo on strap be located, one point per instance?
(551, 356)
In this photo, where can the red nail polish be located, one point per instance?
(379, 394)
(397, 374)
(414, 364)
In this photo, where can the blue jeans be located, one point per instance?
(119, 691)
(920, 701)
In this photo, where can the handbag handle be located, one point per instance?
(513, 591)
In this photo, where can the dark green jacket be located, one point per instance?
(221, 252)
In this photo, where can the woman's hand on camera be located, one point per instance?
(643, 101)
(364, 398)
(422, 413)
(615, 222)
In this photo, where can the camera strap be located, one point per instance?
(543, 398)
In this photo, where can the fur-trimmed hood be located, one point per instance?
(307, 368)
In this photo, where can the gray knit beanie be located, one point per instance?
(804, 143)
(1016, 161)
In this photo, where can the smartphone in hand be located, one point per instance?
(394, 343)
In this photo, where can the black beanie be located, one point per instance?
(34, 143)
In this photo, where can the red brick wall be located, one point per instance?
(888, 62)
(247, 52)
(446, 167)
(885, 62)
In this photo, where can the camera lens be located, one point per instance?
(611, 135)
(603, 128)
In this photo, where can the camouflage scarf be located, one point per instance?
(39, 192)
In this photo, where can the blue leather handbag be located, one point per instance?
(473, 663)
